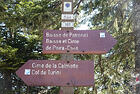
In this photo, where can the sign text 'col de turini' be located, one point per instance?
(57, 73)
(77, 41)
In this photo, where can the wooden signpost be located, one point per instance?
(66, 41)
(67, 24)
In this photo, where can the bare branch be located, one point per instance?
(78, 5)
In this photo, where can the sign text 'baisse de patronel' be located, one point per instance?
(80, 41)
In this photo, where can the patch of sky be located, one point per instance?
(2, 24)
(84, 19)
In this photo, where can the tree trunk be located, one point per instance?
(1, 83)
(7, 82)
(136, 26)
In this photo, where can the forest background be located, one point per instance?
(21, 26)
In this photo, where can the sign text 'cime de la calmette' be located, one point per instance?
(77, 41)
(57, 73)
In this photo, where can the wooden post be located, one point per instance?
(67, 24)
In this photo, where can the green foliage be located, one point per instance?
(24, 21)
(21, 34)
(113, 71)
(21, 40)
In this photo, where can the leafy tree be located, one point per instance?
(113, 71)
(21, 36)
(136, 28)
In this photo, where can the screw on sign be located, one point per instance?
(57, 73)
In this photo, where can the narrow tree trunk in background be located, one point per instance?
(28, 90)
(136, 26)
(1, 84)
(18, 88)
(7, 82)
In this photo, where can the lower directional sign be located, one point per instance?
(57, 73)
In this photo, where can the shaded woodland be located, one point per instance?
(21, 26)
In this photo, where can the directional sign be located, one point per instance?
(57, 73)
(77, 41)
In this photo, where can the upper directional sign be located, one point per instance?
(57, 73)
(77, 41)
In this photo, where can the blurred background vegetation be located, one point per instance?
(21, 26)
